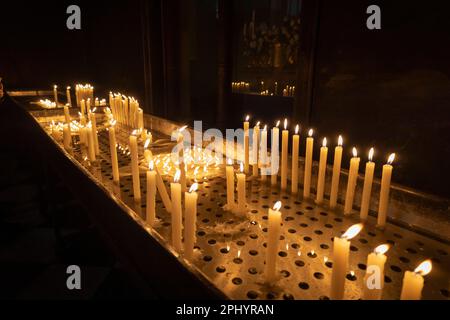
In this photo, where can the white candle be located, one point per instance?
(413, 281)
(308, 165)
(273, 240)
(230, 185)
(367, 190)
(384, 192)
(352, 181)
(67, 114)
(113, 151)
(322, 172)
(294, 169)
(91, 144)
(246, 144)
(175, 192)
(135, 167)
(67, 137)
(374, 278)
(263, 154)
(241, 191)
(55, 94)
(255, 149)
(94, 131)
(151, 195)
(336, 174)
(83, 107)
(190, 221)
(284, 155)
(69, 99)
(88, 106)
(341, 249)
(275, 154)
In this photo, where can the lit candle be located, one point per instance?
(341, 249)
(263, 154)
(322, 171)
(294, 169)
(175, 192)
(113, 151)
(67, 137)
(246, 144)
(94, 131)
(308, 164)
(384, 192)
(255, 149)
(413, 281)
(230, 185)
(241, 191)
(88, 106)
(83, 107)
(135, 167)
(273, 240)
(90, 142)
(284, 155)
(67, 114)
(69, 99)
(190, 221)
(336, 173)
(275, 154)
(374, 279)
(151, 194)
(367, 190)
(351, 184)
(55, 94)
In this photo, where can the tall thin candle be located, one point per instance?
(284, 155)
(308, 164)
(352, 181)
(384, 192)
(336, 174)
(322, 171)
(367, 190)
(294, 169)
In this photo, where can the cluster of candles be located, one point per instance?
(289, 91)
(126, 111)
(413, 282)
(240, 86)
(47, 104)
(82, 92)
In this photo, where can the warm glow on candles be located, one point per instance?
(355, 152)
(371, 152)
(241, 167)
(340, 141)
(352, 231)
(247, 118)
(391, 158)
(297, 128)
(147, 143)
(285, 124)
(413, 282)
(278, 124)
(193, 188)
(277, 206)
(310, 132)
(324, 142)
(274, 229)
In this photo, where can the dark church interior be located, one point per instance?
(347, 101)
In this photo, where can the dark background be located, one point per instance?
(385, 88)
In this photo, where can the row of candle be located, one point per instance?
(289, 91)
(259, 147)
(82, 92)
(240, 86)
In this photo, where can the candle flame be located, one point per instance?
(265, 127)
(242, 167)
(312, 252)
(340, 141)
(352, 231)
(239, 254)
(325, 259)
(147, 143)
(55, 86)
(391, 158)
(95, 109)
(382, 249)
(424, 268)
(134, 132)
(182, 129)
(310, 132)
(229, 162)
(278, 123)
(258, 123)
(68, 87)
(371, 152)
(177, 176)
(297, 128)
(151, 165)
(355, 152)
(324, 143)
(247, 118)
(352, 273)
(277, 206)
(285, 124)
(193, 188)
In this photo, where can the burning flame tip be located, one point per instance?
(424, 268)
(352, 231)
(277, 206)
